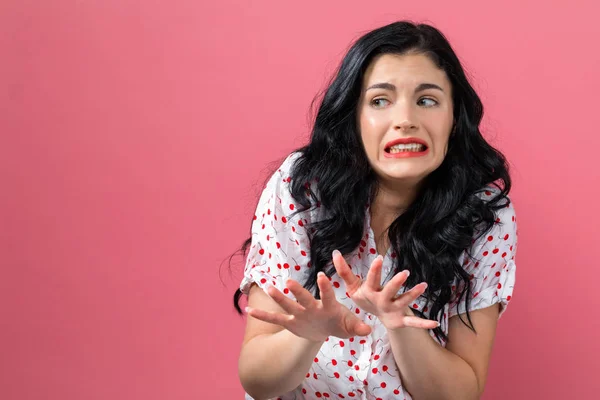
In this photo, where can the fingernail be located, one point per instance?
(407, 273)
(247, 309)
(267, 286)
(336, 252)
(321, 273)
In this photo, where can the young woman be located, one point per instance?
(382, 253)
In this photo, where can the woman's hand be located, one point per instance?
(392, 310)
(309, 318)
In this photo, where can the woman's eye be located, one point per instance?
(380, 102)
(427, 102)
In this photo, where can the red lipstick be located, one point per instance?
(406, 154)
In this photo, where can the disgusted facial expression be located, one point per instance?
(405, 117)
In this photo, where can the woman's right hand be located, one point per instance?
(309, 318)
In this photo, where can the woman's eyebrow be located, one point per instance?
(425, 86)
(382, 85)
(392, 87)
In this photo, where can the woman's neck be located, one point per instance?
(388, 204)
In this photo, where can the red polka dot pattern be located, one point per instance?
(363, 367)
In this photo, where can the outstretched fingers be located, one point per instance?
(407, 298)
(343, 269)
(355, 327)
(327, 294)
(288, 305)
(373, 281)
(393, 286)
(416, 322)
(304, 297)
(270, 317)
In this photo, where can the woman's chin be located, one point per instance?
(405, 172)
(403, 178)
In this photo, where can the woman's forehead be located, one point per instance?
(404, 70)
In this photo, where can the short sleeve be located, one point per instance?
(280, 247)
(492, 266)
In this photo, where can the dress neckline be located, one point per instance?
(370, 235)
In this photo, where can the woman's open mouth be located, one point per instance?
(406, 147)
(410, 147)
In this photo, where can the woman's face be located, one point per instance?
(405, 117)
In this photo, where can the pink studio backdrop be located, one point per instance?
(134, 137)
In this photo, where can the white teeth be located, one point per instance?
(414, 147)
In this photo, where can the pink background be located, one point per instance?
(134, 138)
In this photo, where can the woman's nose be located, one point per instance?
(405, 118)
(406, 125)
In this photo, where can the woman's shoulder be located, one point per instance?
(505, 221)
(281, 173)
(491, 193)
(286, 166)
(280, 188)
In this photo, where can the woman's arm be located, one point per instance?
(273, 360)
(430, 371)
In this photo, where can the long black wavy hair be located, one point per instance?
(448, 213)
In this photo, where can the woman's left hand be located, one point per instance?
(392, 310)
